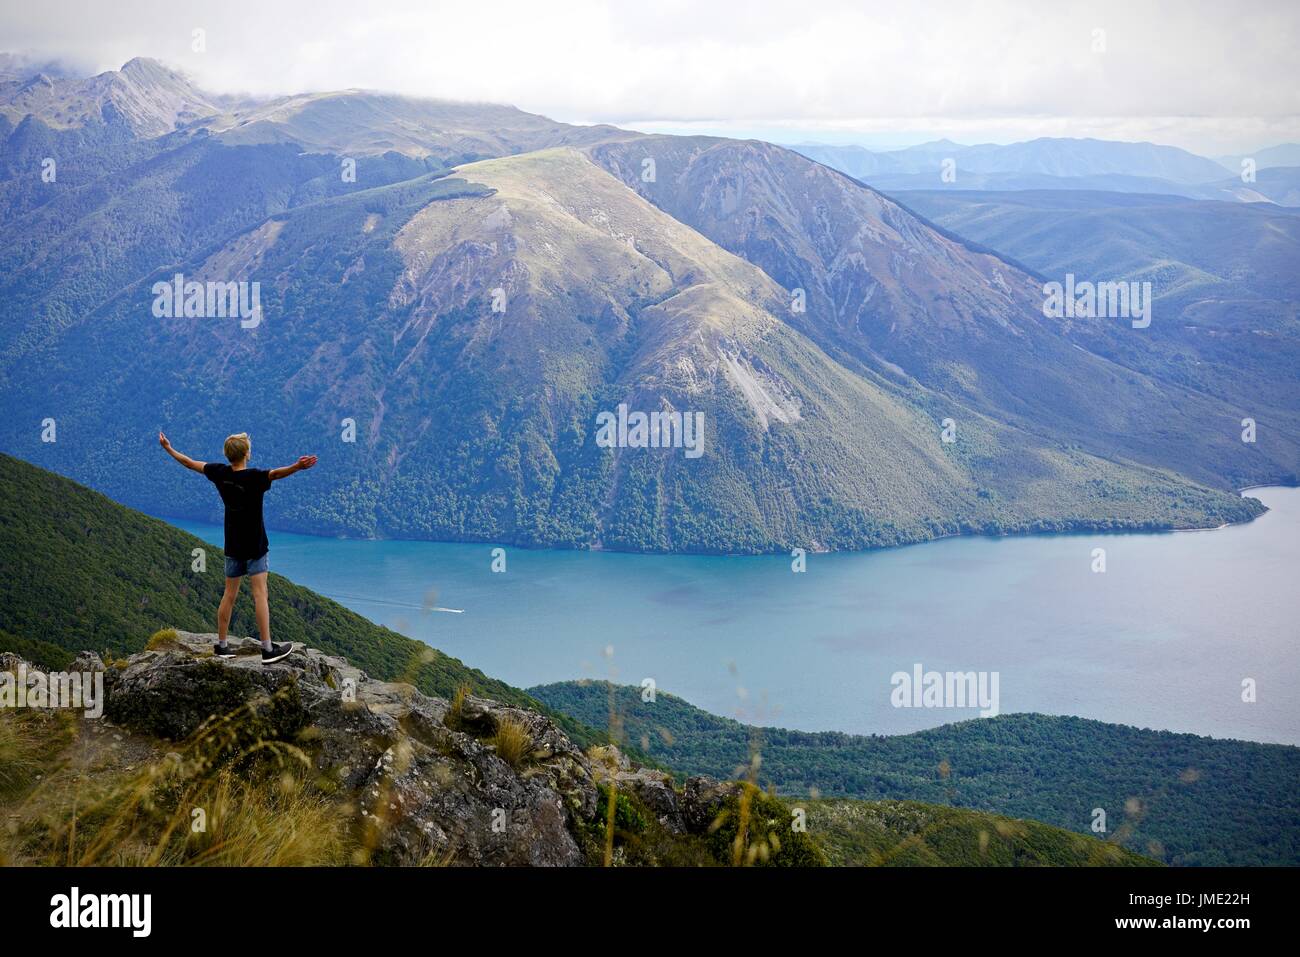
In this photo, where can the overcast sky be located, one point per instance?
(1214, 77)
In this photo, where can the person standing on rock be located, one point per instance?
(241, 489)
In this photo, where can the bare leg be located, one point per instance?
(258, 584)
(226, 607)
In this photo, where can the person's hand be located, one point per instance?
(162, 440)
(306, 461)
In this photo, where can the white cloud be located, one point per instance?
(1196, 71)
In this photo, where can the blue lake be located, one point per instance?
(1162, 639)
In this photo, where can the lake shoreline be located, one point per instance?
(878, 549)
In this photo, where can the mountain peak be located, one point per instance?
(137, 63)
(940, 144)
(147, 96)
(148, 70)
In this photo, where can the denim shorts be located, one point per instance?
(239, 567)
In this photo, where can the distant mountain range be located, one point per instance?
(1069, 164)
(1285, 154)
(1224, 275)
(1046, 156)
(471, 287)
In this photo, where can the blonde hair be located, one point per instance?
(237, 447)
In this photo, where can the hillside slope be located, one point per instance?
(910, 834)
(1224, 277)
(546, 274)
(915, 304)
(472, 327)
(1280, 185)
(1178, 797)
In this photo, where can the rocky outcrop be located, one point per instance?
(655, 789)
(703, 798)
(425, 780)
(86, 661)
(428, 778)
(429, 786)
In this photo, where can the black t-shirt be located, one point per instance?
(242, 492)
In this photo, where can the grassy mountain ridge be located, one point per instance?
(1179, 797)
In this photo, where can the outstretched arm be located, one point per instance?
(306, 462)
(185, 460)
